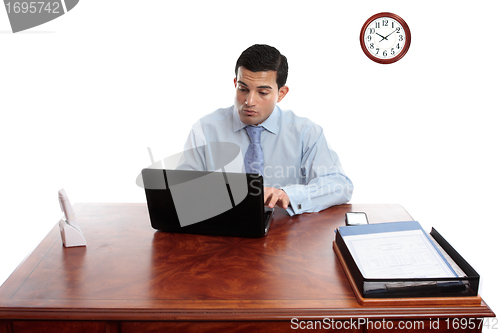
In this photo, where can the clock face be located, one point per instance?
(385, 38)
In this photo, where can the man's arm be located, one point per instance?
(193, 156)
(324, 181)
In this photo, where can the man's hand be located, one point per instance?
(276, 197)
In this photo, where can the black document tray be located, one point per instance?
(418, 287)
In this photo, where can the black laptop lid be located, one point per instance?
(209, 203)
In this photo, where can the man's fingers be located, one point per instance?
(274, 197)
(267, 193)
(270, 196)
(285, 201)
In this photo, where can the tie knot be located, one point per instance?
(254, 133)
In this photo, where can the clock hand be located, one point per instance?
(381, 36)
(390, 34)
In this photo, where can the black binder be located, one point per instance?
(411, 287)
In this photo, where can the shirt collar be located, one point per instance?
(270, 124)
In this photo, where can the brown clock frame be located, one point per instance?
(403, 51)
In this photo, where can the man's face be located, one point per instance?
(256, 95)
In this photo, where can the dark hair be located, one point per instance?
(263, 58)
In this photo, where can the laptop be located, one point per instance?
(207, 203)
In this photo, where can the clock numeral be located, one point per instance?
(393, 24)
(384, 53)
(369, 38)
(377, 25)
(385, 23)
(397, 46)
(372, 31)
(377, 51)
(397, 30)
(371, 46)
(401, 38)
(392, 51)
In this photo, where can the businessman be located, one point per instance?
(301, 173)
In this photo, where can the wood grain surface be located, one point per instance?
(130, 272)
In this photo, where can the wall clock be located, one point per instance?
(385, 38)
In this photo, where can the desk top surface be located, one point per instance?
(128, 270)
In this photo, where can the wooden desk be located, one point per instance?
(130, 278)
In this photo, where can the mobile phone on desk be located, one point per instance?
(356, 218)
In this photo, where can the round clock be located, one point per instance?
(385, 38)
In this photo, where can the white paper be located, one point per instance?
(399, 254)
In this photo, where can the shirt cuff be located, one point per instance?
(300, 201)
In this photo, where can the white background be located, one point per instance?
(82, 97)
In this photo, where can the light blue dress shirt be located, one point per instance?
(297, 158)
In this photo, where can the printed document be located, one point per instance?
(398, 254)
